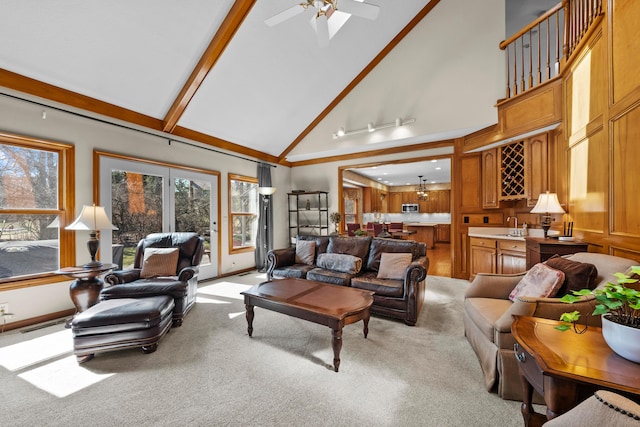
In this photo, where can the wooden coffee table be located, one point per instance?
(329, 305)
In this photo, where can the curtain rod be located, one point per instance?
(134, 129)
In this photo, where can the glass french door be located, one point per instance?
(144, 198)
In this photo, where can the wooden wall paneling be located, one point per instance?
(625, 203)
(471, 181)
(535, 110)
(588, 184)
(625, 45)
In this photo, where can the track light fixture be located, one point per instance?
(372, 127)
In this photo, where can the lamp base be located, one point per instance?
(93, 264)
(545, 228)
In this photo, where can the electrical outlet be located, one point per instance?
(4, 309)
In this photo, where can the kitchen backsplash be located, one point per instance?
(436, 218)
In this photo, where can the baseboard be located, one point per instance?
(35, 320)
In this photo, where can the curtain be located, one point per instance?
(264, 239)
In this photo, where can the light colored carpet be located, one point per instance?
(210, 372)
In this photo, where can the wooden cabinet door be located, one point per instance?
(490, 179)
(482, 260)
(443, 233)
(512, 256)
(444, 201)
(395, 202)
(536, 171)
(470, 182)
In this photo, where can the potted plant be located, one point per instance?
(335, 219)
(619, 306)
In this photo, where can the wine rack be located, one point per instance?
(512, 171)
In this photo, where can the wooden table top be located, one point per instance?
(328, 300)
(581, 357)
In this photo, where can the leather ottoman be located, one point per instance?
(121, 323)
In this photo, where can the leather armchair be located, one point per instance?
(182, 287)
(488, 315)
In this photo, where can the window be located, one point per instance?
(243, 213)
(35, 205)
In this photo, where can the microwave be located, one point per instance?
(410, 207)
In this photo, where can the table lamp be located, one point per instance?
(92, 218)
(547, 204)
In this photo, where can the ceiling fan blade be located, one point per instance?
(363, 10)
(285, 14)
(322, 30)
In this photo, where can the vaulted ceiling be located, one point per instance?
(214, 72)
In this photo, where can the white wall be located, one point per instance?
(25, 118)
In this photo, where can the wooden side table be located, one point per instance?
(85, 290)
(540, 249)
(566, 367)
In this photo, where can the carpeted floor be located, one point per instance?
(209, 372)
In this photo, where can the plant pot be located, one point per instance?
(623, 340)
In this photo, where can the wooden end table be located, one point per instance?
(85, 290)
(566, 367)
(330, 305)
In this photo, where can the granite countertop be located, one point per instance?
(505, 233)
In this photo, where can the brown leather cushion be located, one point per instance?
(305, 252)
(356, 246)
(577, 275)
(393, 265)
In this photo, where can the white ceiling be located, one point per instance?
(269, 89)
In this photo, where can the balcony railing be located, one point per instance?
(535, 53)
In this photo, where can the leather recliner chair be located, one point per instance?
(182, 287)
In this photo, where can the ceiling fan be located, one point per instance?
(320, 12)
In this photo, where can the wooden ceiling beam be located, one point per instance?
(388, 48)
(40, 89)
(217, 46)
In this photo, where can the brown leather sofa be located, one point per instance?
(182, 285)
(488, 317)
(400, 298)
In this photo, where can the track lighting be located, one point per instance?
(372, 127)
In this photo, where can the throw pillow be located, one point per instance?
(577, 275)
(343, 263)
(541, 281)
(393, 265)
(159, 262)
(305, 252)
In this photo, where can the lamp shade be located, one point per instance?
(92, 218)
(548, 203)
(266, 191)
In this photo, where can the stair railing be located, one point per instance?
(535, 53)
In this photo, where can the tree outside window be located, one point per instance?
(243, 213)
(32, 207)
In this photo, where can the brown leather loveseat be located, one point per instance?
(394, 269)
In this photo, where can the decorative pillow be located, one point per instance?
(159, 262)
(305, 252)
(381, 246)
(541, 281)
(356, 246)
(343, 263)
(577, 275)
(393, 265)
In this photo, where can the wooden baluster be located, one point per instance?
(508, 75)
(522, 86)
(530, 61)
(515, 67)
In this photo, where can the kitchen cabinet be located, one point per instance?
(374, 200)
(482, 257)
(490, 180)
(536, 168)
(502, 256)
(395, 202)
(512, 256)
(424, 233)
(443, 233)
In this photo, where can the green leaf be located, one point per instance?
(600, 309)
(570, 317)
(563, 328)
(569, 299)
